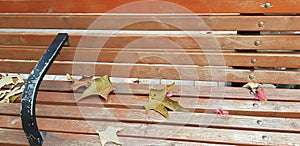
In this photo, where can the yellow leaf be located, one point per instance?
(159, 101)
(109, 135)
(99, 86)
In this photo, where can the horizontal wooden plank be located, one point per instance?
(158, 72)
(178, 133)
(170, 6)
(131, 112)
(17, 137)
(179, 90)
(164, 56)
(266, 124)
(209, 105)
(149, 22)
(163, 41)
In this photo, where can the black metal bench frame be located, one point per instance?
(28, 102)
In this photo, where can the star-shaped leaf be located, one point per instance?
(160, 102)
(76, 84)
(99, 86)
(109, 135)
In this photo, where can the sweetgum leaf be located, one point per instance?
(160, 102)
(99, 86)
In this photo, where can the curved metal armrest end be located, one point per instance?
(27, 108)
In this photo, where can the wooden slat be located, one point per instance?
(17, 137)
(235, 107)
(206, 6)
(179, 133)
(159, 72)
(149, 22)
(130, 115)
(178, 90)
(155, 56)
(132, 112)
(206, 42)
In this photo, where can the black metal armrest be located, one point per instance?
(27, 109)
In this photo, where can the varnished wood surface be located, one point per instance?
(169, 6)
(192, 22)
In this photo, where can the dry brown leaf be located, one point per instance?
(99, 86)
(252, 86)
(8, 80)
(76, 84)
(159, 101)
(109, 135)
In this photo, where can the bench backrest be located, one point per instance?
(208, 40)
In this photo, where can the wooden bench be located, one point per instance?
(152, 42)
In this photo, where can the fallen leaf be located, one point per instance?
(109, 135)
(76, 84)
(221, 112)
(16, 90)
(99, 86)
(170, 94)
(6, 81)
(252, 86)
(159, 101)
(260, 95)
(19, 80)
(12, 99)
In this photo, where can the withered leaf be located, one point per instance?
(99, 86)
(6, 81)
(10, 96)
(76, 84)
(252, 86)
(159, 101)
(109, 135)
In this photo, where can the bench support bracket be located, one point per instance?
(27, 109)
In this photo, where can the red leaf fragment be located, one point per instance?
(169, 94)
(260, 95)
(222, 112)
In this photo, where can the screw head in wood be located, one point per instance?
(259, 122)
(251, 76)
(255, 105)
(257, 43)
(267, 5)
(261, 24)
(253, 61)
(265, 137)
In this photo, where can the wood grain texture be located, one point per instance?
(163, 41)
(171, 6)
(172, 132)
(159, 72)
(149, 22)
(17, 137)
(179, 90)
(161, 56)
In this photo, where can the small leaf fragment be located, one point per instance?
(6, 81)
(221, 112)
(260, 95)
(160, 102)
(109, 135)
(252, 86)
(99, 86)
